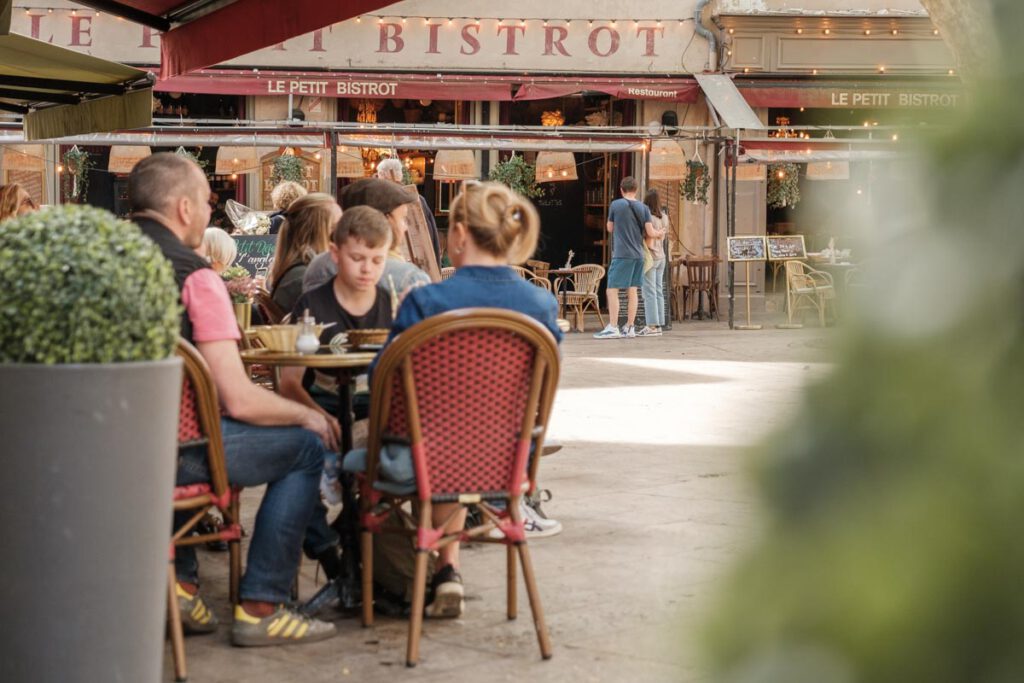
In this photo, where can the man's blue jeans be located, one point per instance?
(289, 460)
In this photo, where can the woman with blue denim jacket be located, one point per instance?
(491, 228)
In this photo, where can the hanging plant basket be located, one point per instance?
(783, 185)
(191, 156)
(77, 164)
(288, 167)
(518, 175)
(697, 182)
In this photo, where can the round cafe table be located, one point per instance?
(346, 364)
(565, 274)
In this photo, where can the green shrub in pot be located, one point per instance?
(89, 398)
(80, 286)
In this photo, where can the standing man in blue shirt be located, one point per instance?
(628, 221)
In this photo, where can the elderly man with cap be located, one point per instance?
(392, 201)
(392, 169)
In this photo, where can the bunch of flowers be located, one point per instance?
(239, 283)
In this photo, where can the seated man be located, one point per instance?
(267, 439)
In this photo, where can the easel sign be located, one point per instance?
(419, 248)
(783, 248)
(786, 248)
(745, 250)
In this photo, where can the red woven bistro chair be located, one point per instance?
(470, 391)
(199, 425)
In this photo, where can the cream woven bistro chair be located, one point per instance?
(585, 282)
(809, 288)
(447, 272)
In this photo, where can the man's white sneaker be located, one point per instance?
(609, 332)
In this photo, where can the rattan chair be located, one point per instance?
(470, 391)
(541, 282)
(539, 268)
(808, 288)
(447, 272)
(199, 425)
(522, 272)
(586, 279)
(271, 312)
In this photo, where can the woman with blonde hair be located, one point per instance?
(281, 197)
(491, 227)
(219, 248)
(15, 201)
(305, 233)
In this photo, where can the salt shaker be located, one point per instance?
(307, 341)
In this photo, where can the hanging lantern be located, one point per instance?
(667, 161)
(455, 164)
(828, 170)
(23, 158)
(553, 167)
(124, 157)
(236, 160)
(350, 162)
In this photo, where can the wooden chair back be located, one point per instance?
(539, 268)
(521, 272)
(271, 312)
(700, 273)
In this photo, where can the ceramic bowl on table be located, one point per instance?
(368, 338)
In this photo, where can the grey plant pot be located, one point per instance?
(88, 455)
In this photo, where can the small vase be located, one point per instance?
(243, 312)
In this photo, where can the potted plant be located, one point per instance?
(239, 283)
(288, 167)
(89, 392)
(518, 175)
(77, 164)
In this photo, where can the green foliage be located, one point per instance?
(694, 187)
(288, 167)
(518, 175)
(193, 157)
(783, 185)
(77, 164)
(80, 286)
(891, 549)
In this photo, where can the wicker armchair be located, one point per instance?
(447, 272)
(584, 294)
(808, 288)
(470, 391)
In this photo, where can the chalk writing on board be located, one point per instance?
(746, 248)
(255, 252)
(786, 248)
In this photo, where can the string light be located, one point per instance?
(827, 31)
(935, 32)
(799, 31)
(881, 69)
(895, 31)
(952, 72)
(867, 32)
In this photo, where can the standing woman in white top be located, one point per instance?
(654, 279)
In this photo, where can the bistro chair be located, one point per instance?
(199, 425)
(469, 392)
(540, 268)
(584, 294)
(447, 272)
(701, 279)
(808, 288)
(679, 288)
(541, 282)
(271, 312)
(522, 272)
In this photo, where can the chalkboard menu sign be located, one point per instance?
(746, 249)
(255, 252)
(786, 248)
(419, 247)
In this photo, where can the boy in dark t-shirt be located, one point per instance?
(351, 300)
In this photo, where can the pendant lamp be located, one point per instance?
(667, 161)
(455, 164)
(555, 167)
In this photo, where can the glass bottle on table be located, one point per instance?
(307, 341)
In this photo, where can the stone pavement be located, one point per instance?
(651, 491)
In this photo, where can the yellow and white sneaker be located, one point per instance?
(196, 617)
(283, 627)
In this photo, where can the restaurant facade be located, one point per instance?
(419, 69)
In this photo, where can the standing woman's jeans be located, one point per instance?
(654, 294)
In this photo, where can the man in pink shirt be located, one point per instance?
(267, 439)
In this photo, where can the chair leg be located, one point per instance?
(543, 639)
(412, 653)
(174, 623)
(366, 552)
(510, 553)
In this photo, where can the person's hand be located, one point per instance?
(319, 424)
(336, 430)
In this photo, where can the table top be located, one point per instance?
(326, 357)
(561, 271)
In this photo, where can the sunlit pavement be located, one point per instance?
(651, 491)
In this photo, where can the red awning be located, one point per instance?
(195, 37)
(331, 84)
(627, 89)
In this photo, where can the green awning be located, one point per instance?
(61, 92)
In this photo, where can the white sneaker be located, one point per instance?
(535, 525)
(649, 331)
(609, 332)
(629, 332)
